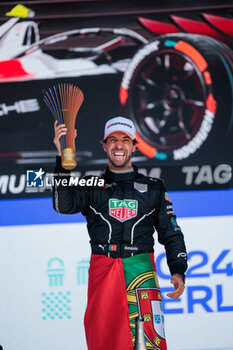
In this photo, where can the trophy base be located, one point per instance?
(68, 159)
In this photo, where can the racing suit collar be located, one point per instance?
(129, 176)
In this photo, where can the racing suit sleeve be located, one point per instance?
(68, 199)
(170, 235)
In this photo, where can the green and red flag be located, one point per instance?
(119, 291)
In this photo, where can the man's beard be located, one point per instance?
(122, 164)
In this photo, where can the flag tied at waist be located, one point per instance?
(121, 289)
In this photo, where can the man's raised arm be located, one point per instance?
(67, 198)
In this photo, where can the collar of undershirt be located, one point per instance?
(127, 175)
(122, 171)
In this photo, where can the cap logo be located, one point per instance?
(120, 123)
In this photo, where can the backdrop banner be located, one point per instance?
(44, 279)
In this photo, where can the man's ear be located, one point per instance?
(134, 149)
(104, 146)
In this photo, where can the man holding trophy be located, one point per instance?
(122, 217)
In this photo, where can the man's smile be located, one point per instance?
(119, 155)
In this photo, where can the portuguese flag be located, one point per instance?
(120, 290)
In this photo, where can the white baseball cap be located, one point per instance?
(120, 124)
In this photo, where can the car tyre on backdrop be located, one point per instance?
(175, 89)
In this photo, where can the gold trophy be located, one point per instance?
(64, 101)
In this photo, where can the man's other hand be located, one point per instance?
(178, 283)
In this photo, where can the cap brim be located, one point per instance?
(124, 132)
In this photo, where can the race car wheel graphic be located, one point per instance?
(172, 90)
(226, 55)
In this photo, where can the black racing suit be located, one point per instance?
(123, 215)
